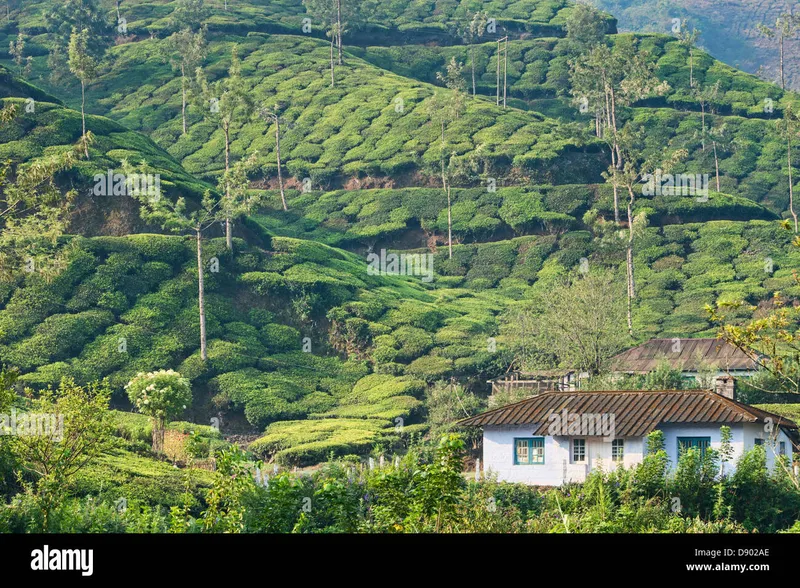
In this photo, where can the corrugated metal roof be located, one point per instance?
(636, 412)
(682, 354)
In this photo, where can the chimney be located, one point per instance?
(723, 385)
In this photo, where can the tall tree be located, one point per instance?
(719, 140)
(339, 29)
(11, 5)
(634, 170)
(84, 66)
(445, 108)
(185, 50)
(328, 12)
(228, 102)
(177, 218)
(273, 115)
(237, 200)
(578, 324)
(586, 27)
(707, 97)
(789, 129)
(339, 17)
(688, 38)
(786, 25)
(471, 33)
(17, 51)
(189, 14)
(616, 78)
(67, 16)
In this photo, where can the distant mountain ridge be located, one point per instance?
(728, 29)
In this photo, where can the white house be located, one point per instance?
(558, 437)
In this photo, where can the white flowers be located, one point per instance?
(160, 393)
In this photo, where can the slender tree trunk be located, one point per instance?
(703, 117)
(614, 127)
(505, 72)
(716, 162)
(472, 63)
(228, 224)
(183, 96)
(201, 295)
(83, 118)
(616, 188)
(446, 187)
(611, 121)
(339, 27)
(118, 14)
(226, 130)
(791, 187)
(629, 309)
(783, 82)
(333, 81)
(449, 225)
(278, 155)
(497, 85)
(629, 262)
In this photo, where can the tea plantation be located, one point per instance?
(309, 355)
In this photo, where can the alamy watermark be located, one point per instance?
(583, 424)
(31, 424)
(659, 184)
(115, 184)
(401, 264)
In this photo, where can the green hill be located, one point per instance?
(307, 351)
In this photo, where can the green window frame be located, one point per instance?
(618, 450)
(701, 443)
(578, 450)
(529, 451)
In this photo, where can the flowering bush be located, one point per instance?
(161, 395)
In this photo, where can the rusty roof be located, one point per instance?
(636, 412)
(682, 354)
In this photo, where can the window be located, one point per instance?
(758, 441)
(529, 451)
(701, 443)
(617, 449)
(782, 448)
(578, 450)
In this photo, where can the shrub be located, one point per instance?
(160, 395)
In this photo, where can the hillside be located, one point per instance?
(727, 30)
(308, 352)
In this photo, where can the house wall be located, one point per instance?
(498, 451)
(498, 456)
(772, 445)
(743, 438)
